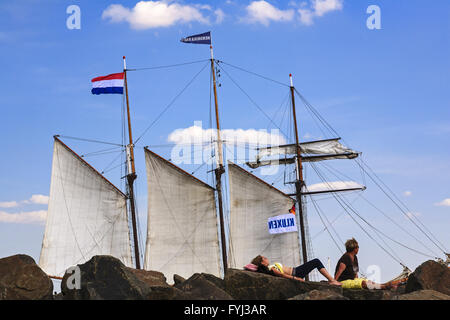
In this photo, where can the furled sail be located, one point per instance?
(253, 203)
(313, 151)
(182, 232)
(87, 216)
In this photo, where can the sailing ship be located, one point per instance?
(187, 231)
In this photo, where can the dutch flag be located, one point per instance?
(112, 84)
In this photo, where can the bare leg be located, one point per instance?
(330, 279)
(372, 285)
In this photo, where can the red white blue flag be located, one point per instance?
(111, 84)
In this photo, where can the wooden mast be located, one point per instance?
(219, 170)
(131, 177)
(299, 183)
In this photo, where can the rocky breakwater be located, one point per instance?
(106, 278)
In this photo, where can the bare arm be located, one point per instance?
(340, 270)
(285, 275)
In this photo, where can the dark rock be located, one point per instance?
(177, 279)
(326, 294)
(22, 279)
(204, 287)
(430, 275)
(151, 278)
(215, 280)
(105, 278)
(247, 285)
(166, 293)
(422, 295)
(366, 294)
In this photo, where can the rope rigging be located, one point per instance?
(361, 164)
(409, 217)
(171, 103)
(168, 66)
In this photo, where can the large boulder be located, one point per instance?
(152, 278)
(247, 285)
(22, 279)
(107, 278)
(366, 294)
(422, 295)
(326, 294)
(430, 275)
(204, 287)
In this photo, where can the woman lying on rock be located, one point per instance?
(298, 273)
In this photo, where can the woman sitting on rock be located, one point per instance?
(297, 273)
(347, 270)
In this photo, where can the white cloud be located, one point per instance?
(220, 16)
(35, 199)
(263, 12)
(318, 8)
(9, 204)
(157, 14)
(196, 134)
(407, 193)
(443, 203)
(333, 185)
(306, 16)
(324, 6)
(33, 217)
(38, 199)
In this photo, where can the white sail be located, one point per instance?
(182, 232)
(87, 216)
(253, 202)
(331, 147)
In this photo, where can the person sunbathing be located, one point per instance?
(297, 273)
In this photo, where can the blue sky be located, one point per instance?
(385, 91)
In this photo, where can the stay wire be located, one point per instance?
(253, 101)
(325, 226)
(404, 230)
(342, 203)
(168, 66)
(90, 140)
(254, 73)
(398, 206)
(326, 124)
(171, 103)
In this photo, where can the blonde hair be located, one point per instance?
(351, 245)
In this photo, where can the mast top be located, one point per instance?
(292, 82)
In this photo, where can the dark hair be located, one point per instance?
(261, 268)
(257, 260)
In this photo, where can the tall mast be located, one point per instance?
(299, 183)
(220, 169)
(131, 177)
